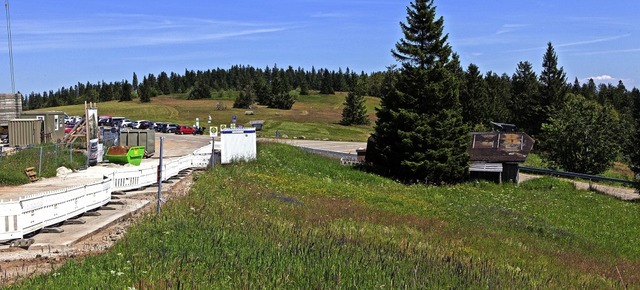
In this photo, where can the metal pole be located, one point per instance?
(212, 160)
(10, 44)
(40, 163)
(160, 174)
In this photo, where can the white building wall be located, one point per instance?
(237, 144)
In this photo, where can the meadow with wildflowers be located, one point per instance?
(294, 220)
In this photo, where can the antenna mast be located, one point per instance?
(10, 43)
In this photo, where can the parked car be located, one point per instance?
(68, 127)
(116, 121)
(169, 128)
(127, 123)
(158, 126)
(103, 121)
(140, 124)
(199, 130)
(149, 125)
(185, 130)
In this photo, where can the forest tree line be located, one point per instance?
(533, 102)
(239, 78)
(485, 97)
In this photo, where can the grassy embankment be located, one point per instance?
(299, 221)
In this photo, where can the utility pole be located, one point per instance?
(10, 44)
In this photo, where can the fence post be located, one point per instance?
(40, 163)
(160, 174)
(71, 153)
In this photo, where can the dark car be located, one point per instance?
(185, 130)
(199, 130)
(145, 125)
(158, 126)
(169, 128)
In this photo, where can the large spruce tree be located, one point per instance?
(524, 97)
(420, 135)
(553, 88)
(474, 98)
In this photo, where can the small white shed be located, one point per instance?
(237, 144)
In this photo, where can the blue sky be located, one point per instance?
(61, 43)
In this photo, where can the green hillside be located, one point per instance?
(294, 220)
(312, 116)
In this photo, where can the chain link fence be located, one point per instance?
(42, 159)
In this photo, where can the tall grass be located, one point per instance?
(12, 167)
(292, 220)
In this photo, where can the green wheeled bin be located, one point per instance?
(125, 154)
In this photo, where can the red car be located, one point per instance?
(68, 128)
(185, 130)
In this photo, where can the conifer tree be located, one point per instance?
(474, 98)
(245, 99)
(126, 92)
(135, 82)
(525, 89)
(553, 88)
(326, 85)
(420, 135)
(200, 91)
(355, 109)
(632, 154)
(304, 87)
(280, 97)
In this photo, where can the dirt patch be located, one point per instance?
(17, 264)
(118, 150)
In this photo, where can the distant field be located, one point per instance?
(312, 116)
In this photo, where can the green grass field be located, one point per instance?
(294, 220)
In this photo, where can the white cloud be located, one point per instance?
(129, 30)
(603, 78)
(615, 51)
(510, 28)
(592, 41)
(599, 79)
(329, 15)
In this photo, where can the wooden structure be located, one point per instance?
(495, 155)
(79, 130)
(10, 108)
(31, 173)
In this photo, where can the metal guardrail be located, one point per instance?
(330, 154)
(575, 175)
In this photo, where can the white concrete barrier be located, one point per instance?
(34, 212)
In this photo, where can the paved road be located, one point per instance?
(330, 146)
